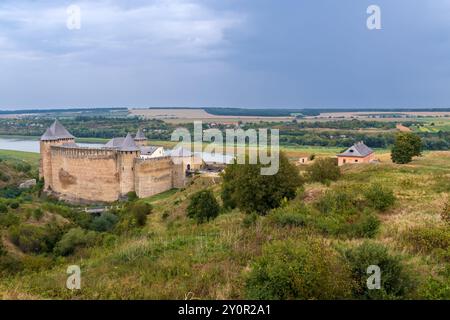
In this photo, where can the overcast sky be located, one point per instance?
(224, 53)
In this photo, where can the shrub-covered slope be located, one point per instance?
(315, 246)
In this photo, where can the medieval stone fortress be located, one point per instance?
(108, 173)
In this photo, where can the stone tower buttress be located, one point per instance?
(128, 152)
(126, 171)
(55, 135)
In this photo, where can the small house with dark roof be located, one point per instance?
(358, 153)
(152, 152)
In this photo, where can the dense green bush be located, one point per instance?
(436, 287)
(36, 262)
(342, 201)
(203, 206)
(379, 197)
(10, 192)
(246, 188)
(294, 215)
(14, 205)
(360, 225)
(249, 220)
(74, 239)
(324, 170)
(3, 208)
(32, 239)
(343, 213)
(132, 196)
(80, 218)
(38, 213)
(133, 215)
(395, 281)
(338, 213)
(10, 264)
(105, 222)
(428, 240)
(9, 219)
(29, 238)
(4, 177)
(140, 211)
(365, 226)
(306, 269)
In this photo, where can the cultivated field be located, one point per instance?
(432, 125)
(367, 115)
(189, 115)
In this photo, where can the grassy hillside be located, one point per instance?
(16, 167)
(172, 257)
(16, 156)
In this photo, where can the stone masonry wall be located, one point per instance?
(45, 165)
(85, 174)
(153, 176)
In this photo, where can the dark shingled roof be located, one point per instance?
(129, 144)
(357, 150)
(56, 132)
(123, 144)
(140, 135)
(114, 143)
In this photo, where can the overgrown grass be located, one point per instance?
(15, 156)
(172, 256)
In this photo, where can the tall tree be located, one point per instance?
(407, 145)
(244, 187)
(203, 206)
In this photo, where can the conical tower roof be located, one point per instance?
(140, 136)
(129, 144)
(56, 132)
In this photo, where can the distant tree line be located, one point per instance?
(252, 112)
(353, 124)
(40, 111)
(346, 138)
(341, 134)
(89, 127)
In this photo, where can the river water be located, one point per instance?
(30, 145)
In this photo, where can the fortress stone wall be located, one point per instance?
(153, 176)
(85, 174)
(103, 174)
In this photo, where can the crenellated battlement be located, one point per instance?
(83, 152)
(148, 160)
